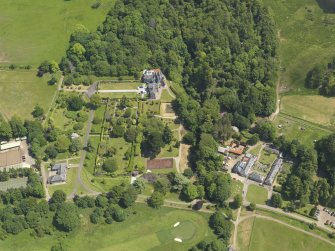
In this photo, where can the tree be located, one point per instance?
(38, 112)
(53, 66)
(14, 225)
(153, 143)
(110, 165)
(95, 101)
(139, 185)
(124, 102)
(156, 200)
(52, 81)
(314, 77)
(67, 217)
(276, 200)
(117, 131)
(17, 127)
(190, 192)
(101, 200)
(167, 135)
(130, 134)
(266, 130)
(253, 139)
(5, 131)
(128, 197)
(162, 185)
(58, 197)
(75, 103)
(51, 152)
(188, 173)
(237, 203)
(252, 206)
(62, 144)
(220, 225)
(75, 145)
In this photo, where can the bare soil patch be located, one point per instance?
(160, 163)
(183, 164)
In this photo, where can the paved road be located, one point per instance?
(285, 224)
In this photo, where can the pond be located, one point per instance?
(328, 6)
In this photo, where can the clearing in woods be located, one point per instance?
(36, 30)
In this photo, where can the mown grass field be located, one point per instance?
(257, 194)
(306, 34)
(20, 91)
(32, 31)
(303, 131)
(148, 229)
(257, 234)
(315, 109)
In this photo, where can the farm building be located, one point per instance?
(154, 79)
(13, 155)
(236, 148)
(244, 167)
(276, 167)
(58, 173)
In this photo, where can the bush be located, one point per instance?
(110, 165)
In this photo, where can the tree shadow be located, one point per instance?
(328, 6)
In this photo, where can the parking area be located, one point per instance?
(326, 216)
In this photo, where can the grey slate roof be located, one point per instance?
(60, 175)
(274, 171)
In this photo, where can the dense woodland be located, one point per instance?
(227, 62)
(322, 77)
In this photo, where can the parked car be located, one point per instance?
(327, 222)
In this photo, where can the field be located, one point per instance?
(257, 194)
(257, 234)
(148, 229)
(306, 36)
(306, 31)
(315, 109)
(33, 31)
(305, 132)
(20, 91)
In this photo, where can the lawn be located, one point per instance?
(257, 234)
(118, 95)
(267, 158)
(306, 37)
(152, 107)
(236, 188)
(147, 229)
(20, 91)
(255, 149)
(99, 116)
(166, 97)
(315, 109)
(119, 86)
(303, 131)
(257, 194)
(32, 31)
